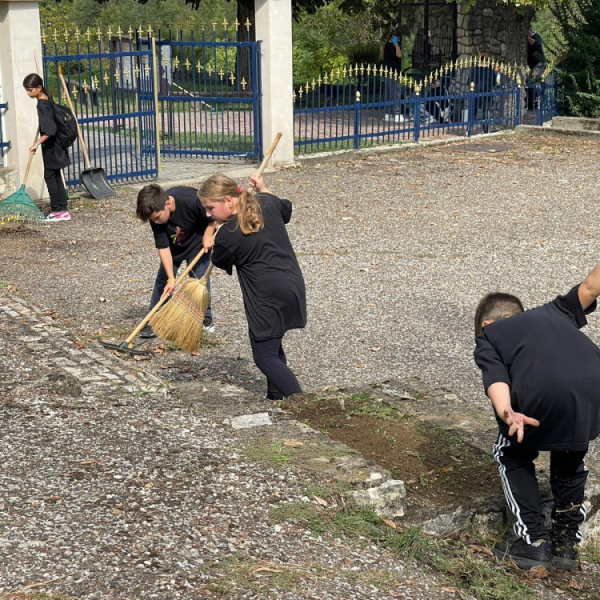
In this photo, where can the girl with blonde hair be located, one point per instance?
(254, 239)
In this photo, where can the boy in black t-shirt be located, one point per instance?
(181, 229)
(542, 375)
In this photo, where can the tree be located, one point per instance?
(578, 52)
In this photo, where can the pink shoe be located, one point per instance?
(64, 215)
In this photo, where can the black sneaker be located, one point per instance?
(564, 555)
(525, 556)
(147, 333)
(208, 325)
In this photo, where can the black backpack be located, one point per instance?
(66, 125)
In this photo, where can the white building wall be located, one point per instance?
(19, 35)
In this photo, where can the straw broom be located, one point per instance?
(181, 320)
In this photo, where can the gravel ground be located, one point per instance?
(396, 249)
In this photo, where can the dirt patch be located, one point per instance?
(437, 467)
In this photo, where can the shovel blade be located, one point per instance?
(96, 184)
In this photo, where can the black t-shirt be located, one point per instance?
(552, 368)
(183, 232)
(390, 60)
(55, 156)
(268, 271)
(535, 52)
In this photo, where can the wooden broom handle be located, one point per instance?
(79, 134)
(189, 267)
(31, 155)
(268, 155)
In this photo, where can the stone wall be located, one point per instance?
(489, 26)
(496, 28)
(8, 182)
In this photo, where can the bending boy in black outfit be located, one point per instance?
(181, 229)
(543, 377)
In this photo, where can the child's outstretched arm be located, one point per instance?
(499, 394)
(589, 289)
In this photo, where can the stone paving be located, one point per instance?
(96, 370)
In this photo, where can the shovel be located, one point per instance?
(93, 178)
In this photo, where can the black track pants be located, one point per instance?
(568, 475)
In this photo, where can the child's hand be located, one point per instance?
(517, 423)
(208, 241)
(168, 288)
(258, 184)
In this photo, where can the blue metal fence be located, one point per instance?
(542, 99)
(4, 145)
(209, 96)
(111, 82)
(363, 106)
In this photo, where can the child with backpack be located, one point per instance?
(54, 154)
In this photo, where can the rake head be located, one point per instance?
(20, 208)
(125, 348)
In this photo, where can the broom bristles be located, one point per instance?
(180, 320)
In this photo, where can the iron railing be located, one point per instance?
(111, 83)
(365, 106)
(209, 96)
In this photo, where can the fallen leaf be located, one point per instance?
(328, 388)
(54, 499)
(575, 585)
(446, 469)
(293, 444)
(539, 572)
(78, 345)
(321, 501)
(483, 549)
(389, 523)
(267, 569)
(90, 461)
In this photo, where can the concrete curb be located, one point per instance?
(557, 132)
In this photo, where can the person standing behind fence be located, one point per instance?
(55, 157)
(392, 60)
(536, 59)
(483, 79)
(254, 239)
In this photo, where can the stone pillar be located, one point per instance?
(274, 29)
(20, 34)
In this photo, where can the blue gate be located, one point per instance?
(112, 85)
(209, 95)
